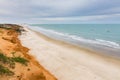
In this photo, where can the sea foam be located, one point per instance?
(101, 42)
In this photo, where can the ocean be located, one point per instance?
(104, 38)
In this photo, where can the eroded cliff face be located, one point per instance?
(11, 42)
(24, 66)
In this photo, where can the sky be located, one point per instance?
(59, 11)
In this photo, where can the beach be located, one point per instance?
(59, 40)
(69, 62)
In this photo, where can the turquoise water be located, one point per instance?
(109, 32)
(99, 36)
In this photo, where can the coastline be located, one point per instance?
(68, 62)
(101, 46)
(74, 46)
(15, 61)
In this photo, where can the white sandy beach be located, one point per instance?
(67, 62)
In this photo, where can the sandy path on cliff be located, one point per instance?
(68, 62)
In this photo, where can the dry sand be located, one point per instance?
(69, 62)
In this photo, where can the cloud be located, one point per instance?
(60, 10)
(111, 18)
(80, 18)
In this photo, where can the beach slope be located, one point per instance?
(68, 62)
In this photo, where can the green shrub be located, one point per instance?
(5, 71)
(3, 58)
(7, 60)
(20, 60)
(10, 61)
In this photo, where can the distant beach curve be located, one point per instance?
(68, 62)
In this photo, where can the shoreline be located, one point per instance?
(70, 45)
(58, 57)
(76, 47)
(93, 47)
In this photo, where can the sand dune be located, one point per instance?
(68, 62)
(15, 63)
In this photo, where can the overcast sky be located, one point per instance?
(59, 11)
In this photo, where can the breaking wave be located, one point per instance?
(78, 38)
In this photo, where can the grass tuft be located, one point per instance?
(5, 71)
(20, 60)
(3, 58)
(10, 62)
(7, 60)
